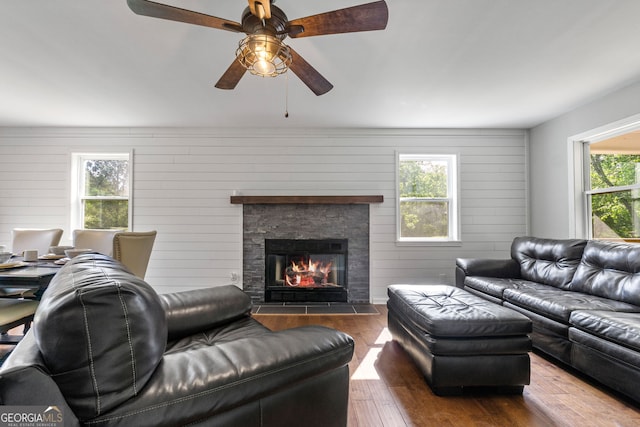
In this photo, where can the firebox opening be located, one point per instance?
(299, 270)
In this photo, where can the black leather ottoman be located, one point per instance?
(460, 340)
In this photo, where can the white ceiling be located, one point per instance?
(439, 63)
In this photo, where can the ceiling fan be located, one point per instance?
(262, 52)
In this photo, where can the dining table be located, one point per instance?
(19, 278)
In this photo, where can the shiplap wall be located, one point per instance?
(183, 179)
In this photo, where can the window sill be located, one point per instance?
(428, 243)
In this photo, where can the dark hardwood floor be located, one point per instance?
(388, 390)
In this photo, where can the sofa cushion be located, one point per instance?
(244, 327)
(610, 270)
(621, 328)
(495, 286)
(101, 331)
(549, 261)
(558, 304)
(194, 382)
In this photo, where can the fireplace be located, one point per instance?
(304, 270)
(335, 218)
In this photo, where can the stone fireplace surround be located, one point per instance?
(306, 217)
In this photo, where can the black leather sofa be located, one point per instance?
(583, 298)
(105, 349)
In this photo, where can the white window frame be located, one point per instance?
(77, 185)
(453, 196)
(589, 192)
(579, 167)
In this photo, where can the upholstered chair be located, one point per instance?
(34, 238)
(100, 241)
(133, 249)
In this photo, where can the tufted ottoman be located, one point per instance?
(460, 340)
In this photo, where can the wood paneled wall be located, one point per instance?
(183, 180)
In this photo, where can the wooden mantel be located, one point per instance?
(306, 200)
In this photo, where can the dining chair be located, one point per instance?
(34, 238)
(13, 313)
(100, 241)
(133, 249)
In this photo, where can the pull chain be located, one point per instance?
(286, 94)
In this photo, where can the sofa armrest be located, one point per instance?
(25, 381)
(251, 374)
(30, 386)
(192, 311)
(503, 268)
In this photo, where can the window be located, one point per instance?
(427, 197)
(612, 187)
(101, 191)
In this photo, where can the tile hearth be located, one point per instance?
(314, 308)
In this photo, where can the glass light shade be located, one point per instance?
(264, 55)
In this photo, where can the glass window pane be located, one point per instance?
(423, 178)
(616, 215)
(614, 170)
(428, 219)
(106, 214)
(106, 178)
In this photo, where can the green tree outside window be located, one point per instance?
(425, 197)
(106, 194)
(615, 213)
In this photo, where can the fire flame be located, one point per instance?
(303, 274)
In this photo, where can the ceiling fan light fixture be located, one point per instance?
(264, 55)
(262, 52)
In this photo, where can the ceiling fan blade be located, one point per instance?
(164, 11)
(309, 76)
(232, 76)
(366, 17)
(261, 9)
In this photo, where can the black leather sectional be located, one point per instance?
(583, 298)
(105, 349)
